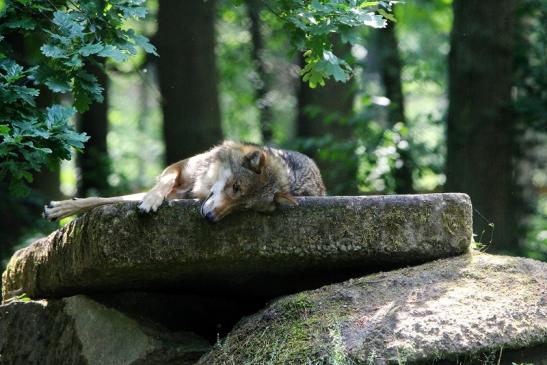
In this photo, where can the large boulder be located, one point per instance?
(322, 240)
(476, 308)
(79, 331)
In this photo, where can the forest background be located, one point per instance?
(452, 96)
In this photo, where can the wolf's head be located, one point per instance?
(246, 177)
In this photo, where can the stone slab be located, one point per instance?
(324, 239)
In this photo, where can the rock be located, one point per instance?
(323, 240)
(207, 316)
(464, 309)
(78, 330)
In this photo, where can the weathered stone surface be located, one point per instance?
(78, 330)
(463, 309)
(323, 240)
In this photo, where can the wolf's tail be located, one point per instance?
(64, 208)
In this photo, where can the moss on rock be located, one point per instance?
(459, 310)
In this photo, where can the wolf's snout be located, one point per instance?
(206, 206)
(207, 210)
(208, 214)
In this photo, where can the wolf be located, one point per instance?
(229, 177)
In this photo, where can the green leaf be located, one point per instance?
(58, 86)
(69, 22)
(145, 44)
(88, 83)
(44, 150)
(27, 176)
(82, 101)
(4, 129)
(90, 49)
(333, 66)
(112, 52)
(13, 71)
(350, 35)
(58, 115)
(387, 15)
(76, 140)
(374, 20)
(25, 94)
(135, 12)
(75, 62)
(368, 4)
(53, 51)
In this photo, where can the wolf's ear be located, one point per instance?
(285, 199)
(254, 161)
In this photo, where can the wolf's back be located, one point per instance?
(304, 176)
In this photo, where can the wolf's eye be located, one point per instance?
(236, 188)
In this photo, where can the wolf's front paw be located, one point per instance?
(47, 212)
(56, 210)
(150, 203)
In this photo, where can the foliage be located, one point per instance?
(238, 80)
(135, 131)
(373, 152)
(312, 24)
(535, 245)
(75, 33)
(423, 30)
(530, 102)
(531, 64)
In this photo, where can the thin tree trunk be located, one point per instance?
(480, 126)
(47, 181)
(253, 10)
(94, 163)
(390, 72)
(188, 77)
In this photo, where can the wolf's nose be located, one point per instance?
(210, 217)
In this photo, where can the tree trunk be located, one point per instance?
(253, 10)
(324, 111)
(390, 73)
(480, 123)
(47, 181)
(188, 77)
(94, 163)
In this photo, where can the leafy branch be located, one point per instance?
(76, 33)
(312, 25)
